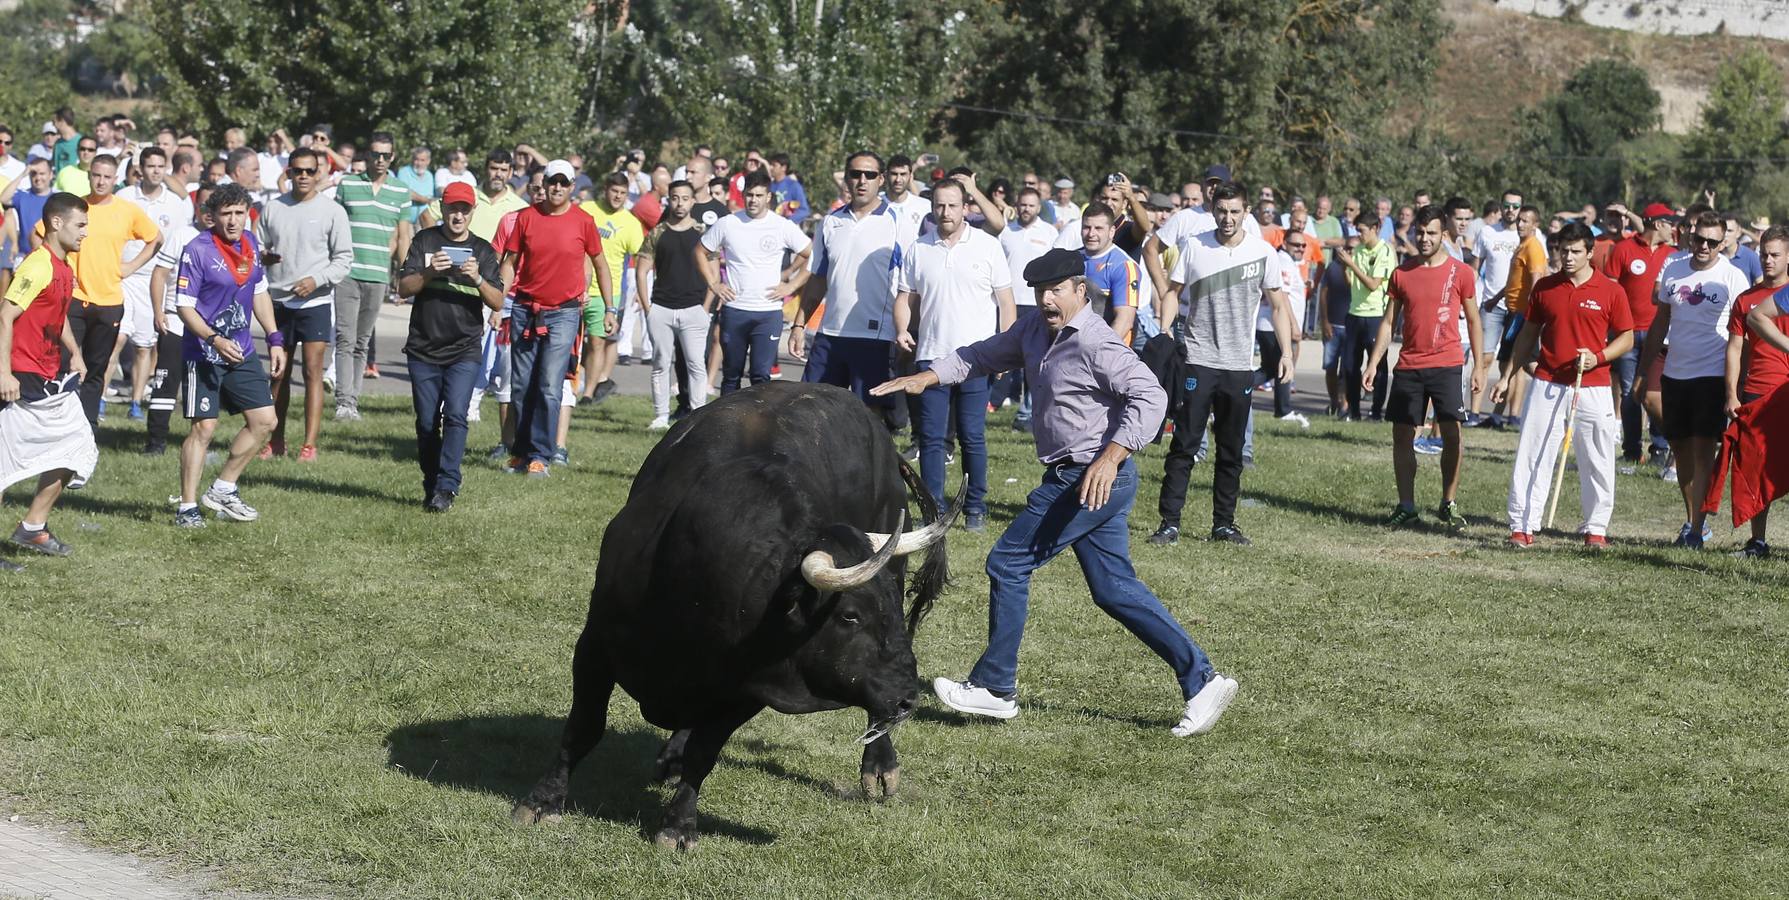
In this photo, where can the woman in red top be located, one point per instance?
(1577, 321)
(1764, 367)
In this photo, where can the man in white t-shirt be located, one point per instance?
(910, 209)
(754, 243)
(956, 283)
(166, 209)
(1064, 211)
(1027, 237)
(164, 385)
(1186, 224)
(1225, 272)
(1696, 292)
(856, 256)
(1495, 249)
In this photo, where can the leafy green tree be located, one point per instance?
(1742, 125)
(464, 73)
(34, 41)
(1572, 135)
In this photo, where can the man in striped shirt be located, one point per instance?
(375, 204)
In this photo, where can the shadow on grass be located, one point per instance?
(140, 510)
(505, 755)
(323, 486)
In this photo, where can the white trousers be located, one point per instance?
(1595, 439)
(670, 328)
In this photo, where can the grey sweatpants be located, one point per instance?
(356, 311)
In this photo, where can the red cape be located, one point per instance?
(1756, 449)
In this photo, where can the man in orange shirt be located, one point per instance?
(98, 308)
(1527, 267)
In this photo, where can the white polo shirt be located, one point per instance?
(1189, 223)
(167, 210)
(1292, 282)
(956, 285)
(910, 211)
(1024, 243)
(754, 250)
(860, 259)
(1700, 303)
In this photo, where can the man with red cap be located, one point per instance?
(1634, 262)
(454, 276)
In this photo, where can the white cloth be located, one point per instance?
(168, 211)
(956, 285)
(909, 212)
(174, 242)
(1495, 248)
(11, 167)
(859, 258)
(445, 176)
(1292, 282)
(1700, 302)
(46, 436)
(1595, 438)
(754, 251)
(1024, 243)
(1189, 223)
(670, 328)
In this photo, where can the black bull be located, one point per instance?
(760, 560)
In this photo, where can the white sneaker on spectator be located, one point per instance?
(1296, 417)
(1204, 710)
(229, 506)
(974, 699)
(662, 423)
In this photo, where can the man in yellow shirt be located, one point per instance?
(1528, 266)
(100, 270)
(622, 236)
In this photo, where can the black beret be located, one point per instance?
(1054, 266)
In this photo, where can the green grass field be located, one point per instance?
(346, 698)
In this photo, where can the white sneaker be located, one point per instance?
(965, 697)
(1669, 475)
(662, 423)
(229, 506)
(1296, 417)
(1203, 711)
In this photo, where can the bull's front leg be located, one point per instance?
(668, 768)
(881, 770)
(700, 750)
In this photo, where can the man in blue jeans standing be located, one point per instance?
(545, 259)
(956, 285)
(1095, 405)
(856, 255)
(755, 243)
(454, 276)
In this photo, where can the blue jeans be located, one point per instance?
(1633, 415)
(1493, 318)
(1053, 521)
(968, 403)
(537, 366)
(856, 364)
(743, 332)
(441, 395)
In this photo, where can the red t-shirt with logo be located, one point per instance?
(1635, 266)
(1577, 315)
(41, 289)
(1432, 298)
(1768, 368)
(551, 254)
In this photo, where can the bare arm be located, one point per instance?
(264, 316)
(12, 186)
(1736, 345)
(996, 217)
(1655, 341)
(1381, 344)
(1527, 343)
(9, 384)
(1152, 263)
(642, 277)
(906, 309)
(1759, 320)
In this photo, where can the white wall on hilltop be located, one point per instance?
(1749, 18)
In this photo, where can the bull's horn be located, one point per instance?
(818, 569)
(916, 541)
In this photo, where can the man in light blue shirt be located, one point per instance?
(420, 180)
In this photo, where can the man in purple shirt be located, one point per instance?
(219, 284)
(1094, 404)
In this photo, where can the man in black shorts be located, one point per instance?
(219, 283)
(1431, 290)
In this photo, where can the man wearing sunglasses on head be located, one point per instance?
(376, 205)
(308, 251)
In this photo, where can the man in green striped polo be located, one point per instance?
(375, 204)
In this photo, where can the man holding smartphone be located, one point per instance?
(454, 277)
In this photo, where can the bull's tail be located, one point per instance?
(933, 573)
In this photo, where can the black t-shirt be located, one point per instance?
(677, 283)
(706, 214)
(447, 320)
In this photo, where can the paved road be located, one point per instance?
(40, 862)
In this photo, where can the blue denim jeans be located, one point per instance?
(1633, 415)
(441, 395)
(748, 332)
(537, 366)
(967, 403)
(1054, 521)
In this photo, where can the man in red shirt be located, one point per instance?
(1431, 290)
(1634, 263)
(1763, 365)
(1571, 318)
(548, 258)
(34, 340)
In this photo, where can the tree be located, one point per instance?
(35, 38)
(464, 73)
(1742, 124)
(1571, 137)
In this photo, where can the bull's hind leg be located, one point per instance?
(591, 687)
(881, 770)
(701, 749)
(669, 766)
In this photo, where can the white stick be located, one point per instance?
(1565, 448)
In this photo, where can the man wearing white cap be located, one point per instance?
(1064, 212)
(45, 148)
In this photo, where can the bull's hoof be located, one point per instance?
(527, 813)
(681, 839)
(881, 786)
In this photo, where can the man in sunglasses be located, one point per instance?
(853, 265)
(1696, 293)
(1495, 250)
(376, 205)
(309, 249)
(76, 179)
